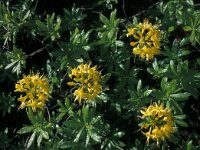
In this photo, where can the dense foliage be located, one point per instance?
(104, 74)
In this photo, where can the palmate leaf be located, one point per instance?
(85, 126)
(159, 70)
(72, 19)
(40, 128)
(112, 139)
(65, 109)
(186, 77)
(50, 28)
(190, 83)
(170, 90)
(73, 124)
(7, 102)
(193, 28)
(17, 61)
(139, 97)
(108, 32)
(69, 40)
(178, 49)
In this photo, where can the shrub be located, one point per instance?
(103, 74)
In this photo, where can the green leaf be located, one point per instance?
(184, 41)
(138, 144)
(181, 123)
(79, 135)
(180, 117)
(171, 28)
(17, 60)
(189, 145)
(184, 53)
(25, 129)
(119, 43)
(176, 106)
(139, 86)
(172, 67)
(50, 19)
(193, 37)
(31, 116)
(60, 104)
(104, 19)
(57, 27)
(32, 138)
(39, 140)
(173, 139)
(85, 111)
(187, 28)
(111, 35)
(67, 103)
(190, 2)
(171, 87)
(197, 21)
(155, 65)
(113, 16)
(106, 77)
(27, 15)
(163, 84)
(119, 134)
(95, 136)
(11, 64)
(72, 124)
(180, 96)
(41, 25)
(87, 139)
(118, 109)
(45, 134)
(147, 92)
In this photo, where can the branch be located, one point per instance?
(146, 9)
(35, 52)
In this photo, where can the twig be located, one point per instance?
(146, 9)
(123, 8)
(48, 114)
(35, 6)
(35, 52)
(44, 47)
(82, 8)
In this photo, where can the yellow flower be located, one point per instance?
(146, 40)
(35, 91)
(130, 32)
(157, 123)
(87, 80)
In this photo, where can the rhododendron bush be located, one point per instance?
(105, 74)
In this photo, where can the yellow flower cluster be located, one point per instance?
(146, 40)
(35, 91)
(87, 79)
(157, 123)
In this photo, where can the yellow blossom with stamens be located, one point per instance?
(157, 123)
(87, 80)
(146, 40)
(35, 91)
